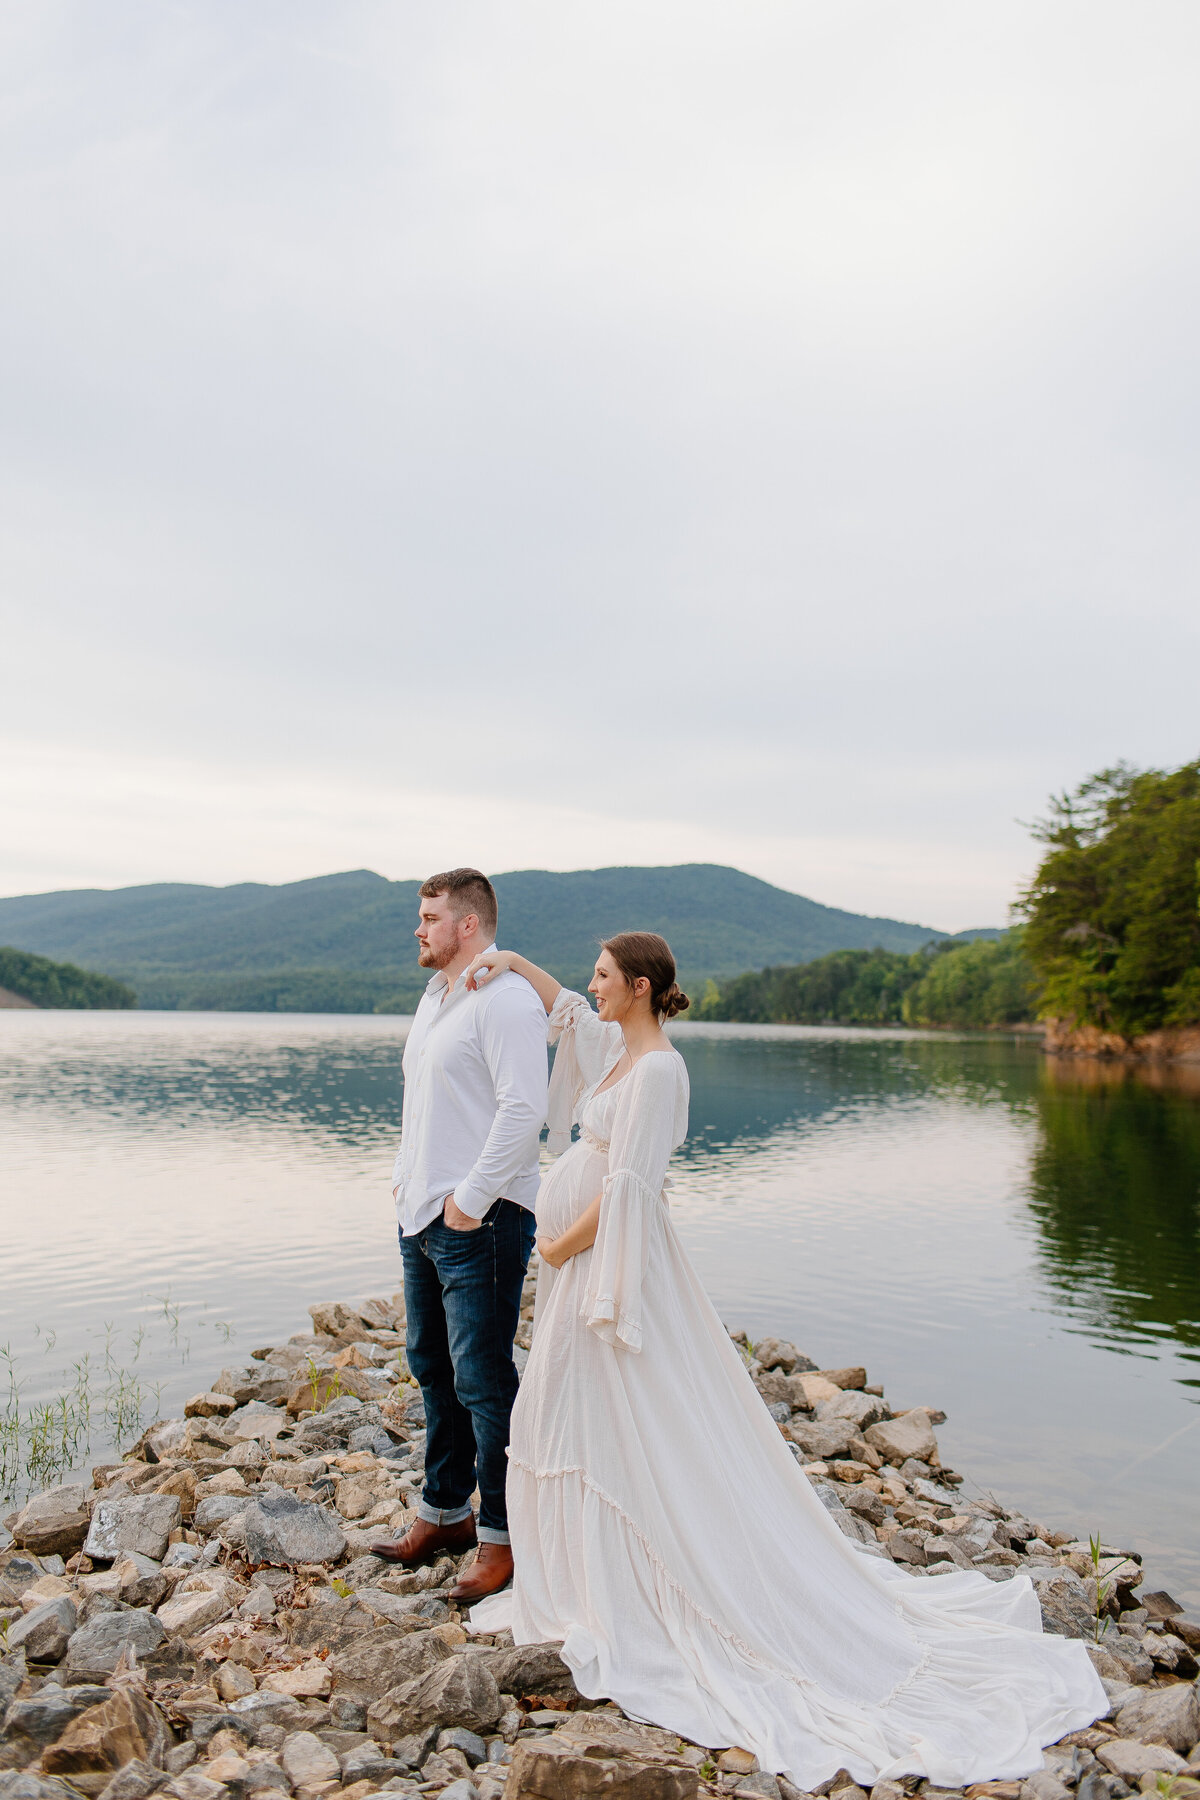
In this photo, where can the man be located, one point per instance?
(464, 1181)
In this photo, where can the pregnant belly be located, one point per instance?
(569, 1189)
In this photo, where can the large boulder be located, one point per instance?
(860, 1409)
(526, 1669)
(44, 1633)
(282, 1529)
(909, 1435)
(1167, 1715)
(459, 1691)
(377, 1661)
(821, 1442)
(127, 1725)
(96, 1648)
(137, 1525)
(53, 1523)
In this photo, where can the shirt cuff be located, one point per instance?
(469, 1200)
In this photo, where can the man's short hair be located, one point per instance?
(469, 891)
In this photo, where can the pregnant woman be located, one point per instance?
(661, 1527)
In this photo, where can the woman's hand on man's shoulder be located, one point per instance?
(486, 965)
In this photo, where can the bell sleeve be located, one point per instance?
(586, 1047)
(651, 1121)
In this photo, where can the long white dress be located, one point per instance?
(663, 1531)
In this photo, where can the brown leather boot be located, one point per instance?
(491, 1570)
(424, 1543)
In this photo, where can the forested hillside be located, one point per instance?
(345, 943)
(45, 983)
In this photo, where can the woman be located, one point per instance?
(660, 1524)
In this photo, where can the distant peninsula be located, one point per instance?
(35, 981)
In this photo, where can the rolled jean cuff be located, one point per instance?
(491, 1534)
(446, 1515)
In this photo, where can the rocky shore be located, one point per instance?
(206, 1620)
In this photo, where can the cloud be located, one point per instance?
(763, 432)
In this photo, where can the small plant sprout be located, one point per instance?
(1103, 1588)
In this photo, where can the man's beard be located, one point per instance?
(436, 959)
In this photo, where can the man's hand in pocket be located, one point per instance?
(456, 1219)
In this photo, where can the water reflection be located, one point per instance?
(1114, 1186)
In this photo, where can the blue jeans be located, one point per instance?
(462, 1292)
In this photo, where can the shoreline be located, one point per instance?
(229, 1550)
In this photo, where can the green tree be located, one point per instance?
(980, 984)
(1114, 909)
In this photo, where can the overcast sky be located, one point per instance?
(557, 434)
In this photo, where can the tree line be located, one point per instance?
(1108, 933)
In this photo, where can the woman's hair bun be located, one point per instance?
(645, 955)
(673, 1001)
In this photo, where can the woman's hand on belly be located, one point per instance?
(579, 1236)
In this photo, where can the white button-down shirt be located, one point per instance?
(475, 1075)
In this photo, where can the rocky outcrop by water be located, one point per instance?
(206, 1619)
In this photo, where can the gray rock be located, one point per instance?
(135, 1781)
(760, 1784)
(530, 1669)
(266, 1383)
(216, 1508)
(1043, 1784)
(282, 1529)
(865, 1502)
(140, 1524)
(413, 1749)
(12, 1674)
(459, 1691)
(830, 1495)
(40, 1720)
(55, 1521)
(777, 1353)
(462, 1789)
(1130, 1759)
(25, 1785)
(306, 1760)
(44, 1633)
(944, 1548)
(1066, 1608)
(860, 1409)
(780, 1411)
(457, 1737)
(368, 1763)
(377, 1661)
(96, 1648)
(908, 1546)
(908, 1437)
(820, 1442)
(1135, 1662)
(1168, 1715)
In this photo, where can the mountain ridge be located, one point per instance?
(177, 942)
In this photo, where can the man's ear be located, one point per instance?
(468, 923)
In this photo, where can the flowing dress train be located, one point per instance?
(664, 1532)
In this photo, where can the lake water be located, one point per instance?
(1009, 1237)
